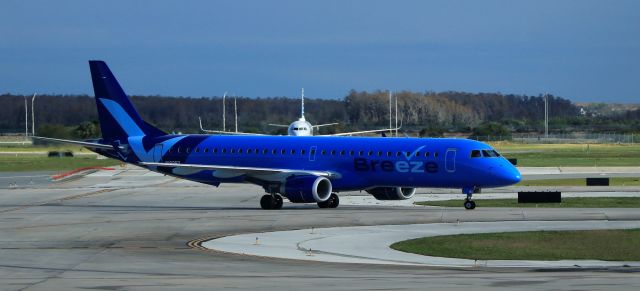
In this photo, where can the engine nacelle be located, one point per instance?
(392, 193)
(306, 189)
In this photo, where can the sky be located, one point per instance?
(586, 51)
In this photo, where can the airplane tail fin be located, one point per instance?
(118, 118)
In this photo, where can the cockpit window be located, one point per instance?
(490, 154)
(475, 154)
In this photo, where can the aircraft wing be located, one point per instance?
(326, 124)
(278, 125)
(229, 132)
(76, 142)
(224, 132)
(248, 170)
(359, 132)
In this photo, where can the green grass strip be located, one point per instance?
(570, 202)
(23, 163)
(580, 182)
(607, 245)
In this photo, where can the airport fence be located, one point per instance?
(601, 138)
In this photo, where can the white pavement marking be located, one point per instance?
(370, 244)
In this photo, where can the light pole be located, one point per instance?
(235, 111)
(546, 116)
(396, 115)
(26, 118)
(390, 118)
(33, 115)
(224, 122)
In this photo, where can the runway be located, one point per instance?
(129, 230)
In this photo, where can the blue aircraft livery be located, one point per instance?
(309, 169)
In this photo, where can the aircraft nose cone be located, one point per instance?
(511, 177)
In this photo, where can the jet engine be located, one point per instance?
(392, 193)
(306, 189)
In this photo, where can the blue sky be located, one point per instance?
(581, 50)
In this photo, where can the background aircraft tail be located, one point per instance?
(118, 118)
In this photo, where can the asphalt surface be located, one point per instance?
(132, 230)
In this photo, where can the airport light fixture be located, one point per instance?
(33, 116)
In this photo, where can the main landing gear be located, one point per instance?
(468, 203)
(271, 201)
(332, 202)
(274, 201)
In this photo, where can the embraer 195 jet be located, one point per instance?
(304, 170)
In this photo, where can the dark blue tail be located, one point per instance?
(118, 118)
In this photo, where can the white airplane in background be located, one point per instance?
(302, 127)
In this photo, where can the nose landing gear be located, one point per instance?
(468, 203)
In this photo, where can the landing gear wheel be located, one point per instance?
(265, 202)
(271, 201)
(469, 204)
(278, 202)
(332, 202)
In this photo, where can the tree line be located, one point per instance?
(418, 111)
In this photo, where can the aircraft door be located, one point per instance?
(312, 153)
(157, 153)
(450, 160)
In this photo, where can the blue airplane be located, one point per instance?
(302, 169)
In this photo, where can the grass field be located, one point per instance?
(571, 202)
(39, 163)
(30, 148)
(579, 155)
(580, 182)
(608, 245)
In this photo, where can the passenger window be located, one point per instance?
(370, 153)
(249, 151)
(398, 154)
(379, 153)
(360, 153)
(388, 154)
(215, 150)
(224, 151)
(239, 151)
(293, 152)
(264, 151)
(417, 154)
(313, 152)
(475, 154)
(351, 153)
(324, 152)
(187, 150)
(426, 154)
(206, 150)
(232, 151)
(435, 155)
(302, 152)
(342, 152)
(333, 152)
(273, 152)
(197, 150)
(283, 151)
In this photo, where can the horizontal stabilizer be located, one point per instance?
(76, 142)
